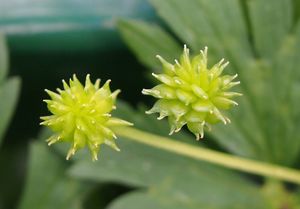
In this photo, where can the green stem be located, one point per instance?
(200, 153)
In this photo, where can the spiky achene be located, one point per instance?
(81, 116)
(192, 94)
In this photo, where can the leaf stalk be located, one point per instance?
(211, 156)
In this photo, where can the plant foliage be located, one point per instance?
(261, 39)
(9, 90)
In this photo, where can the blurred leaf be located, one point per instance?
(296, 9)
(3, 58)
(187, 181)
(284, 124)
(85, 26)
(150, 200)
(148, 38)
(136, 200)
(9, 92)
(149, 122)
(271, 22)
(297, 197)
(280, 196)
(202, 23)
(47, 187)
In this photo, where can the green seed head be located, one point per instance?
(191, 94)
(81, 115)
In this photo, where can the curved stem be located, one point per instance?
(207, 155)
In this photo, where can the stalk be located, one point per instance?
(211, 156)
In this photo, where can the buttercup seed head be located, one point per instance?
(81, 115)
(191, 94)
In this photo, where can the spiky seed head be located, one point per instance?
(81, 115)
(192, 94)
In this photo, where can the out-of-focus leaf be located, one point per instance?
(148, 38)
(9, 92)
(267, 130)
(286, 88)
(149, 122)
(296, 9)
(136, 200)
(68, 25)
(271, 21)
(217, 24)
(297, 197)
(280, 196)
(171, 176)
(3, 58)
(47, 186)
(150, 200)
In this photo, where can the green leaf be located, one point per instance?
(171, 176)
(296, 9)
(9, 92)
(202, 23)
(146, 40)
(149, 122)
(297, 197)
(280, 196)
(284, 124)
(271, 21)
(3, 58)
(47, 186)
(136, 200)
(150, 200)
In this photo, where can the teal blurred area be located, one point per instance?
(67, 25)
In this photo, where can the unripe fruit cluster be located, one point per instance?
(192, 94)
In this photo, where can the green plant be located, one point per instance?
(9, 89)
(9, 95)
(264, 127)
